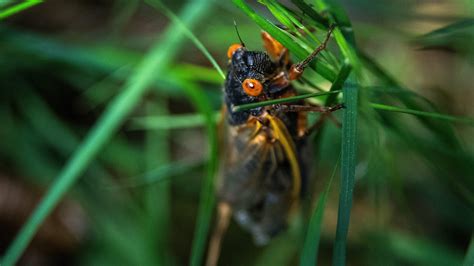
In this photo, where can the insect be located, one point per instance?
(262, 171)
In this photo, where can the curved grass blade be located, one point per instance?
(311, 12)
(445, 34)
(152, 64)
(293, 24)
(348, 164)
(443, 132)
(465, 120)
(287, 40)
(309, 254)
(339, 82)
(281, 100)
(343, 33)
(207, 198)
(18, 8)
(198, 73)
(188, 33)
(278, 14)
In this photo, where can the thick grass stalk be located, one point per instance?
(154, 63)
(348, 164)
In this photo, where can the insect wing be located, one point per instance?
(260, 176)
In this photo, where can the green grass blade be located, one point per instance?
(311, 12)
(157, 197)
(188, 33)
(450, 118)
(348, 164)
(343, 33)
(207, 198)
(281, 100)
(309, 254)
(153, 63)
(443, 132)
(198, 73)
(447, 33)
(287, 40)
(339, 83)
(271, 5)
(18, 8)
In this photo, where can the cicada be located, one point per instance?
(263, 151)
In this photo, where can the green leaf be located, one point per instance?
(338, 83)
(348, 165)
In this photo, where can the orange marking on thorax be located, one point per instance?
(274, 48)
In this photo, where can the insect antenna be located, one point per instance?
(238, 35)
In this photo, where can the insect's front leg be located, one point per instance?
(297, 69)
(326, 112)
(317, 126)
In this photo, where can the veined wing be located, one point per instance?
(260, 175)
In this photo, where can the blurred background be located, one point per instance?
(62, 63)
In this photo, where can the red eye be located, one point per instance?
(252, 87)
(232, 49)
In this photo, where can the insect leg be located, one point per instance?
(317, 126)
(308, 108)
(302, 109)
(297, 69)
(224, 212)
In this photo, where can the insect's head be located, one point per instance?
(253, 69)
(249, 79)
